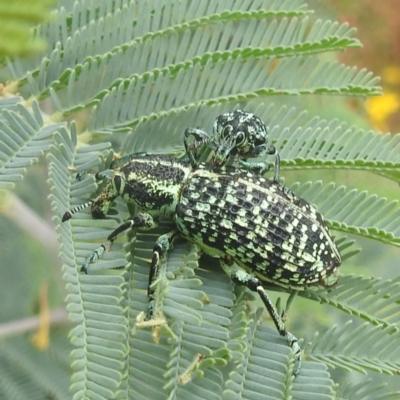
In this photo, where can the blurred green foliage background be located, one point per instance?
(37, 270)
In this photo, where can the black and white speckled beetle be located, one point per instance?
(258, 231)
(238, 134)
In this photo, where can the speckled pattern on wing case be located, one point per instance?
(278, 236)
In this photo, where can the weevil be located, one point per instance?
(238, 134)
(259, 232)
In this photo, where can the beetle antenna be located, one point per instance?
(68, 214)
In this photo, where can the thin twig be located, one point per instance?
(57, 317)
(16, 210)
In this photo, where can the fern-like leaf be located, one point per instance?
(360, 348)
(365, 391)
(24, 137)
(372, 299)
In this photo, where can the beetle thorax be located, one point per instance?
(153, 185)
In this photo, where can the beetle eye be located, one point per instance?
(226, 132)
(240, 138)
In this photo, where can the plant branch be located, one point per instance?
(57, 317)
(30, 222)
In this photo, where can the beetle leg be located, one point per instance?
(241, 277)
(259, 168)
(201, 137)
(272, 151)
(140, 221)
(163, 244)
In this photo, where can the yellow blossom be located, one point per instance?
(380, 108)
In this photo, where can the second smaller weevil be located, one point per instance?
(238, 134)
(258, 232)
